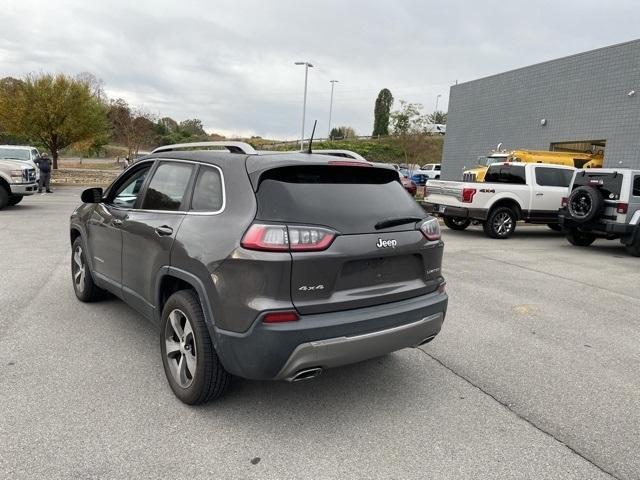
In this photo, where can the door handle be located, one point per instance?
(164, 231)
(539, 194)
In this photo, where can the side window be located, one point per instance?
(208, 195)
(127, 193)
(553, 177)
(167, 187)
(34, 154)
(438, 167)
(636, 186)
(514, 174)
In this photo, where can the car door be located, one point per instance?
(149, 230)
(104, 235)
(549, 186)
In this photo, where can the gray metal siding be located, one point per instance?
(582, 97)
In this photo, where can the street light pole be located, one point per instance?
(304, 102)
(437, 98)
(333, 82)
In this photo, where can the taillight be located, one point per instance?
(467, 195)
(431, 229)
(284, 238)
(564, 202)
(442, 288)
(622, 207)
(281, 317)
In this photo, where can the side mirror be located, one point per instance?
(92, 195)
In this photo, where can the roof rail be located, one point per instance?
(233, 147)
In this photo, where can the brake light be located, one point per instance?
(281, 317)
(622, 207)
(284, 238)
(431, 229)
(347, 163)
(467, 195)
(564, 202)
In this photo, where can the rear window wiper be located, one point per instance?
(393, 222)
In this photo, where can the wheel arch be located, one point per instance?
(171, 280)
(5, 184)
(511, 203)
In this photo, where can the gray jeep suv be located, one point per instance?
(259, 265)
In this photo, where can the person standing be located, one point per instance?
(44, 164)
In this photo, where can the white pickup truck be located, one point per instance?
(532, 192)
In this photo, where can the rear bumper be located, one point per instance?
(276, 352)
(450, 211)
(23, 188)
(625, 231)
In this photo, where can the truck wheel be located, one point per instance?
(634, 248)
(501, 223)
(83, 285)
(456, 223)
(580, 239)
(14, 200)
(554, 226)
(191, 364)
(4, 197)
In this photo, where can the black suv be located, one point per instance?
(261, 265)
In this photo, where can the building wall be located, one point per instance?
(582, 97)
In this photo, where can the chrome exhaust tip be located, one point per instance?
(426, 340)
(306, 374)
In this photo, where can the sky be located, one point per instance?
(231, 63)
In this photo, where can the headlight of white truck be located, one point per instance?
(17, 176)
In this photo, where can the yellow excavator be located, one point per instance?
(572, 159)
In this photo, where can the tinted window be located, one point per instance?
(636, 186)
(437, 167)
(349, 199)
(167, 187)
(126, 194)
(553, 177)
(506, 174)
(207, 194)
(609, 184)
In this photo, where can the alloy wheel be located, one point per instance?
(79, 269)
(502, 223)
(580, 205)
(180, 348)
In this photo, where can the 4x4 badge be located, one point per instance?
(386, 243)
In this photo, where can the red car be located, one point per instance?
(409, 185)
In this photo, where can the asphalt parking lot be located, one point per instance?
(535, 375)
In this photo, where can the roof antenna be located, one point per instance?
(312, 133)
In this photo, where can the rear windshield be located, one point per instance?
(506, 174)
(609, 184)
(348, 199)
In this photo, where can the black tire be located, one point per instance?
(14, 200)
(579, 238)
(456, 223)
(4, 197)
(634, 248)
(501, 223)
(555, 227)
(584, 204)
(83, 286)
(210, 380)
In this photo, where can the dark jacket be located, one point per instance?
(44, 164)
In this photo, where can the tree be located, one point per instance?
(192, 127)
(130, 127)
(338, 133)
(438, 117)
(381, 113)
(410, 126)
(56, 110)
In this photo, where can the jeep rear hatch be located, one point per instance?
(353, 234)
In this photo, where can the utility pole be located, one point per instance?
(437, 98)
(333, 82)
(304, 102)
